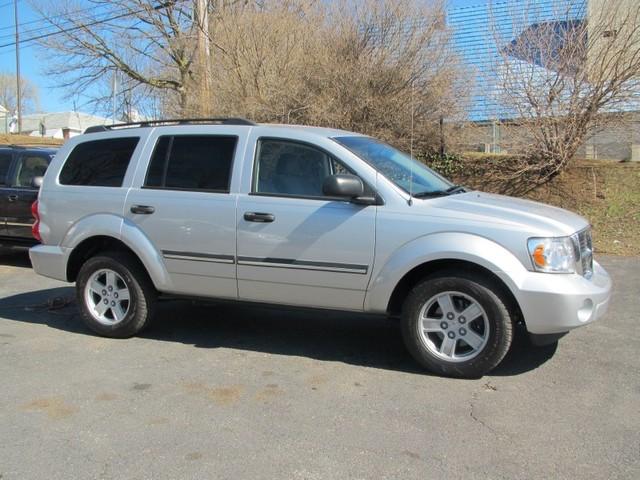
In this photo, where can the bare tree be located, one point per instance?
(148, 42)
(30, 97)
(362, 66)
(562, 74)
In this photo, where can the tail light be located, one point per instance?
(35, 228)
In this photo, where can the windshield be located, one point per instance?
(407, 173)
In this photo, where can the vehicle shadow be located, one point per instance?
(354, 339)
(15, 258)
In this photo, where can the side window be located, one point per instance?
(30, 166)
(99, 163)
(5, 163)
(290, 168)
(192, 162)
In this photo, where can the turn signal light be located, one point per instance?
(538, 256)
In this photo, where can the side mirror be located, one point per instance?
(342, 185)
(37, 181)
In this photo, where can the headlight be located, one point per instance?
(553, 255)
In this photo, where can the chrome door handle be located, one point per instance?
(142, 209)
(13, 197)
(259, 217)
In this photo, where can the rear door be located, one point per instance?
(22, 192)
(5, 166)
(181, 201)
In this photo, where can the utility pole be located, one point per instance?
(114, 90)
(202, 24)
(443, 147)
(18, 92)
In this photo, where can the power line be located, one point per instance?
(6, 5)
(85, 25)
(47, 22)
(42, 20)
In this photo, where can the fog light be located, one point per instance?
(585, 312)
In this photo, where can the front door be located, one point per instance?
(183, 205)
(296, 246)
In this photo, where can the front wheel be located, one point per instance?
(457, 325)
(115, 295)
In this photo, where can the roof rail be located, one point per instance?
(177, 121)
(30, 146)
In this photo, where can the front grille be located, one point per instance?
(585, 252)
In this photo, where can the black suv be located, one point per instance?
(21, 172)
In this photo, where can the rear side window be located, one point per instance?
(192, 162)
(99, 163)
(29, 167)
(5, 163)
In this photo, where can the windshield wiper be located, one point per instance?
(440, 193)
(456, 189)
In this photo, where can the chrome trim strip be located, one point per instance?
(19, 224)
(198, 257)
(304, 265)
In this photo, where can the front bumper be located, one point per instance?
(50, 261)
(557, 303)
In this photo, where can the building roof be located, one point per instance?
(76, 121)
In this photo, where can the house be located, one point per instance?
(5, 118)
(61, 125)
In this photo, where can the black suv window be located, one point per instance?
(5, 163)
(192, 162)
(99, 163)
(291, 168)
(30, 166)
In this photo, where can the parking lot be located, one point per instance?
(233, 391)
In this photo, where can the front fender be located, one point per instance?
(127, 232)
(441, 246)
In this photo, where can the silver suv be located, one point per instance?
(311, 217)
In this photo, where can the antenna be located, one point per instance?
(410, 201)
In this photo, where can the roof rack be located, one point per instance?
(30, 146)
(178, 121)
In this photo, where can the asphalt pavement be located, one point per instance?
(242, 392)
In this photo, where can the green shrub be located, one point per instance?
(448, 165)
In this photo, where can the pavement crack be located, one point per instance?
(474, 417)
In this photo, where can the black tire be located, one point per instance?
(142, 294)
(487, 295)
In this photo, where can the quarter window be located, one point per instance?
(192, 162)
(99, 163)
(291, 168)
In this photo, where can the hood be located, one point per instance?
(525, 215)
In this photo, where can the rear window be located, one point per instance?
(192, 162)
(99, 163)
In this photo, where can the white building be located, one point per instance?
(5, 118)
(61, 125)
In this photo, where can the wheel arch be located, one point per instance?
(91, 247)
(434, 267)
(109, 231)
(436, 252)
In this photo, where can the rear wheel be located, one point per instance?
(115, 295)
(457, 325)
